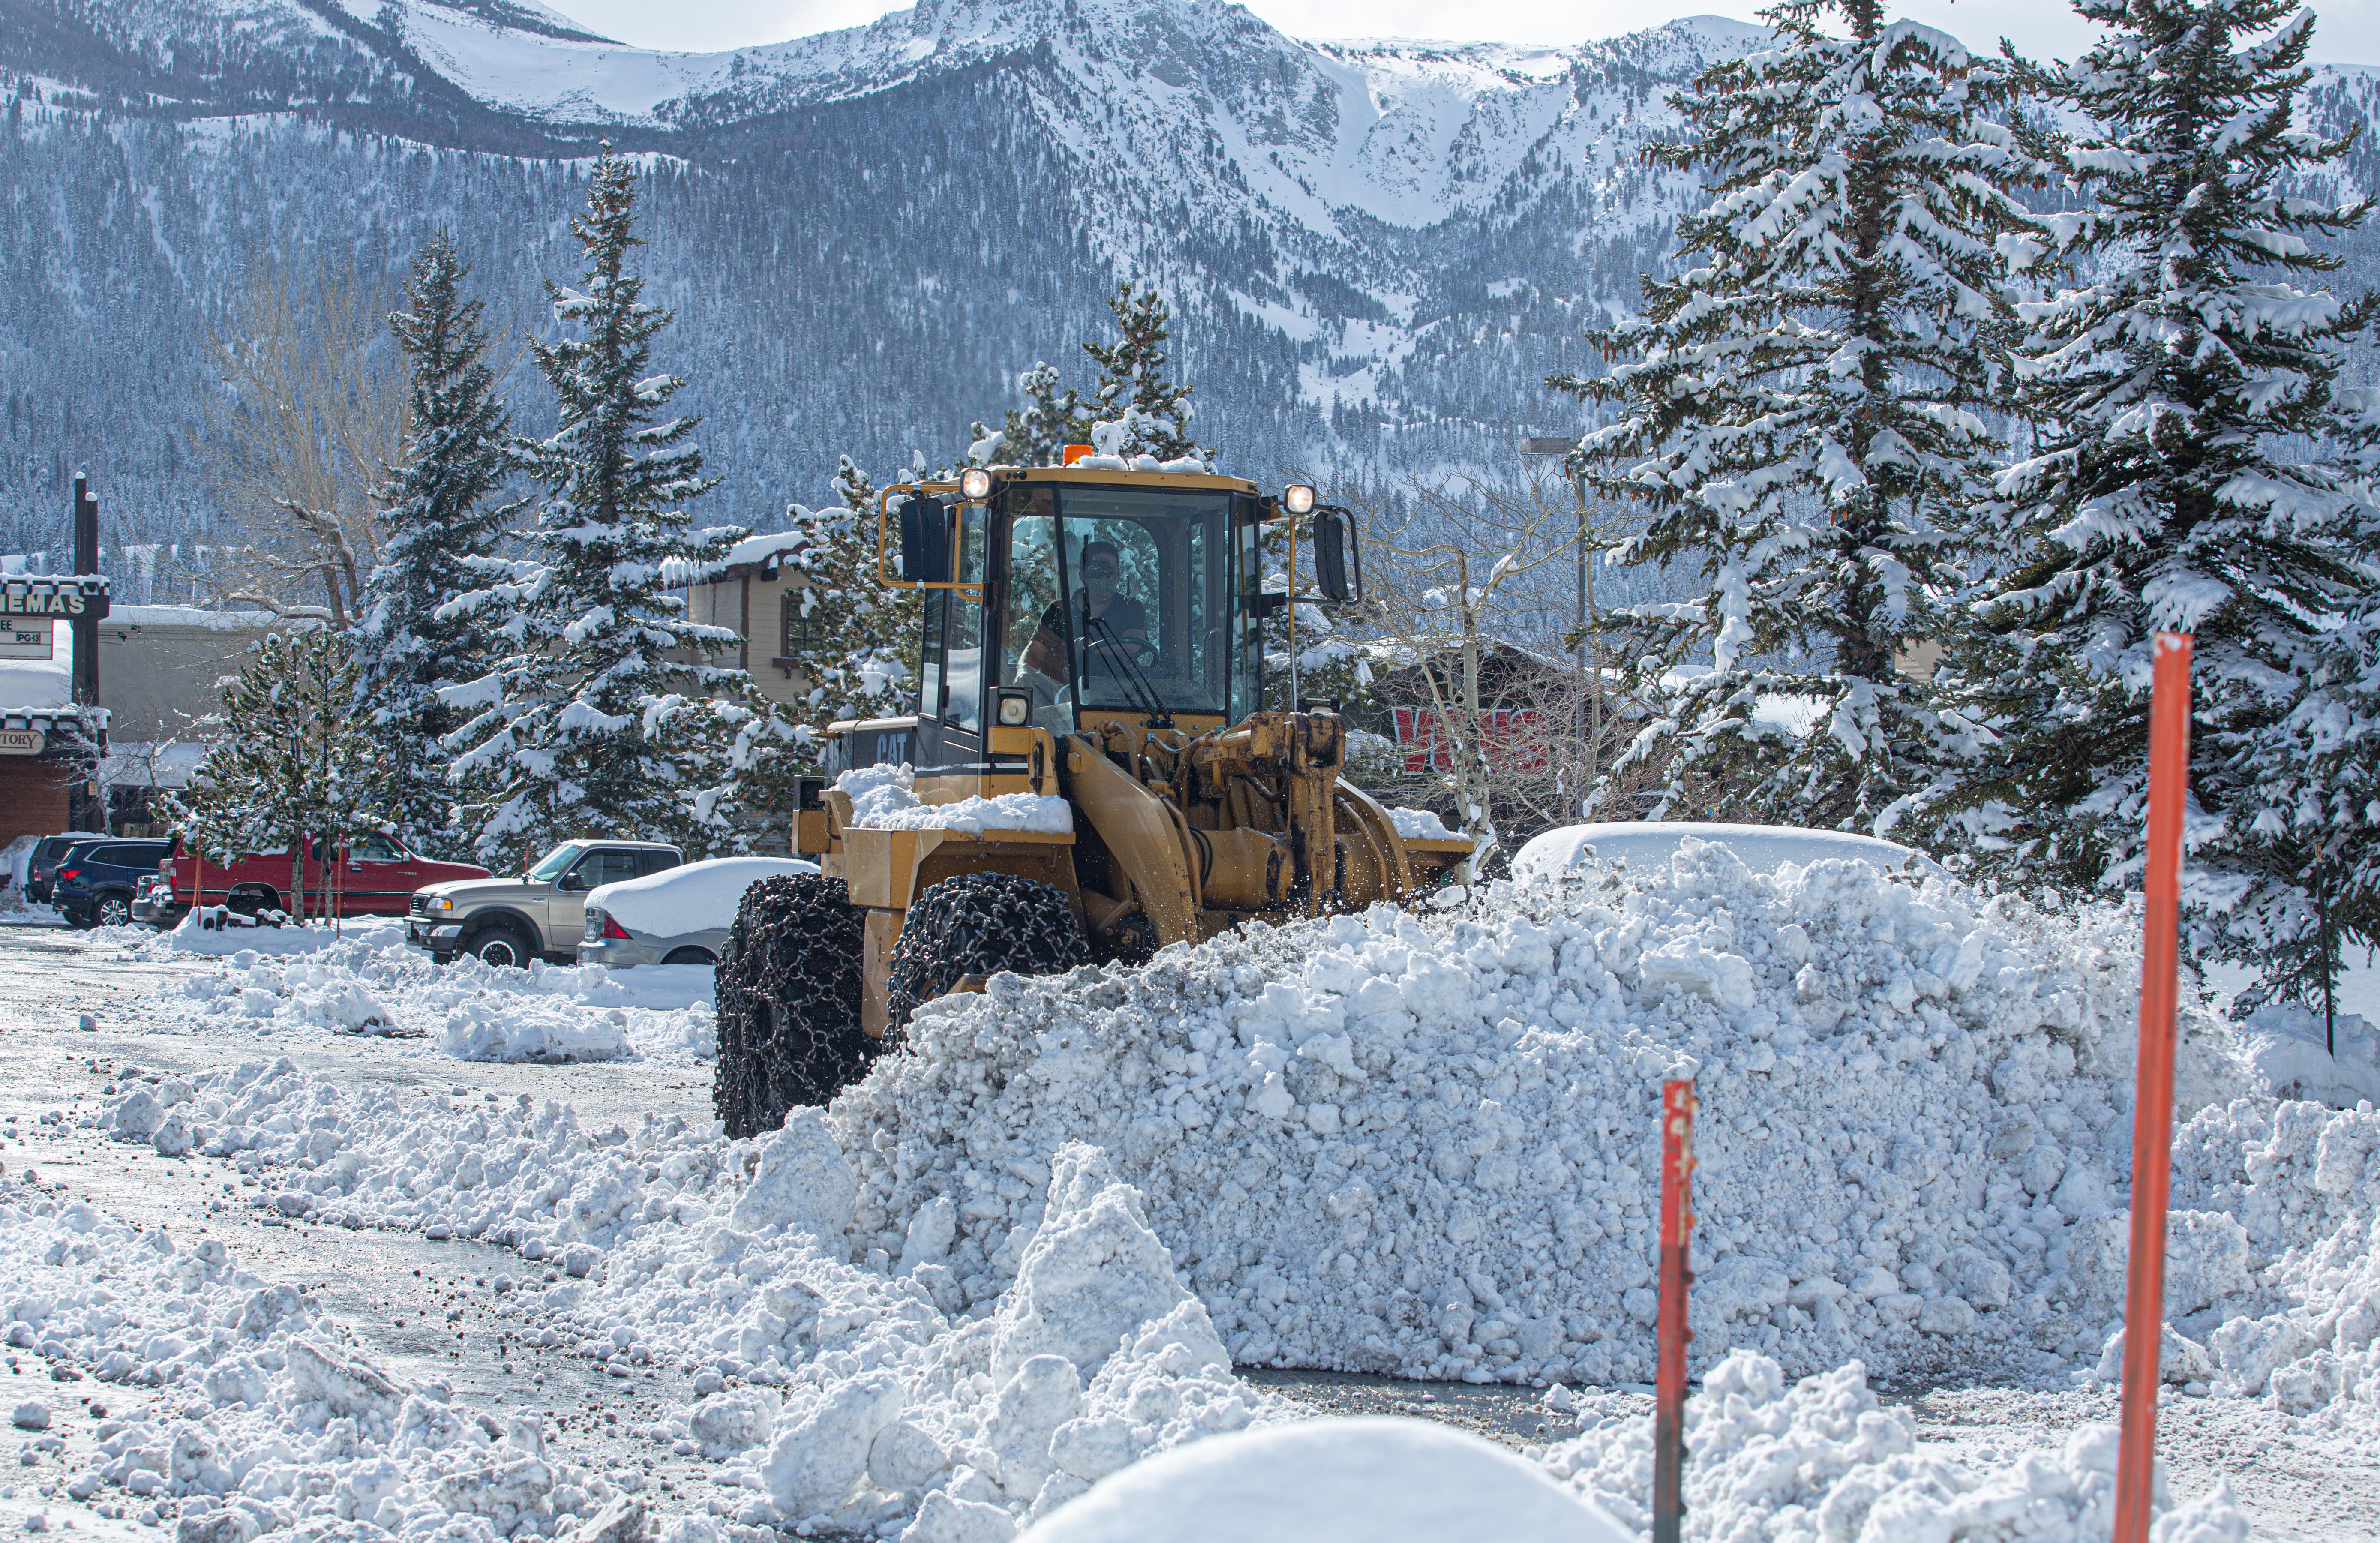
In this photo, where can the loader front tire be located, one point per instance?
(788, 1002)
(980, 924)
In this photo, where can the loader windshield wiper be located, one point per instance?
(1118, 655)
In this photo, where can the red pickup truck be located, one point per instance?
(376, 879)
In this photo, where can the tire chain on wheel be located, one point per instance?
(980, 924)
(788, 1002)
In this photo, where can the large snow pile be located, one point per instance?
(283, 981)
(691, 898)
(1824, 1459)
(1424, 1146)
(2282, 1204)
(1391, 1142)
(884, 798)
(271, 1422)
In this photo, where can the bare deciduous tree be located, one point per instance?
(1444, 605)
(1484, 617)
(311, 412)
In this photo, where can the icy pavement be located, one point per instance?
(985, 1281)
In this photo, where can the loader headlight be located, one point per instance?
(1298, 498)
(975, 484)
(1015, 708)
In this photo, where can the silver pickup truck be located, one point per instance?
(540, 914)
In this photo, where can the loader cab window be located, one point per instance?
(1108, 587)
(950, 674)
(1031, 656)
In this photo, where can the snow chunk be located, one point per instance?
(1093, 1272)
(1827, 1447)
(804, 1184)
(533, 1031)
(1419, 825)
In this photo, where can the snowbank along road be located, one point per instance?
(1091, 1218)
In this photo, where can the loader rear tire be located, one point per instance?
(788, 1002)
(980, 924)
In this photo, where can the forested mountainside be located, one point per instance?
(1375, 252)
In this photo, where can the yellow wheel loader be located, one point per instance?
(1089, 774)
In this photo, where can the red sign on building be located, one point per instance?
(1515, 737)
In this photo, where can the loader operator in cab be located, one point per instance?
(1112, 624)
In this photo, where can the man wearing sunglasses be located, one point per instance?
(1113, 625)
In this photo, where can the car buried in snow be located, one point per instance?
(679, 917)
(1571, 849)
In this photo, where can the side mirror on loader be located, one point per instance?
(1334, 546)
(925, 540)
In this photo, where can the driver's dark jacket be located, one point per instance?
(1123, 616)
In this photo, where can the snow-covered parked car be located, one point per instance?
(1762, 848)
(681, 917)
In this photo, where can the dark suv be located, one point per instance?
(42, 871)
(97, 880)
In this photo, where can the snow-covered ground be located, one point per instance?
(273, 983)
(1027, 1258)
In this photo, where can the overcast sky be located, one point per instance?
(2350, 29)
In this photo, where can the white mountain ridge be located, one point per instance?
(1404, 132)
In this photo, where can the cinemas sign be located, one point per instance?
(32, 608)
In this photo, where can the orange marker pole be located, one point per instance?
(2153, 1098)
(1678, 1106)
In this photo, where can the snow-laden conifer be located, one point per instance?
(856, 643)
(2196, 469)
(295, 765)
(1052, 418)
(440, 510)
(1133, 391)
(1800, 411)
(601, 715)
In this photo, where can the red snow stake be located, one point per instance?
(1678, 1105)
(2152, 1096)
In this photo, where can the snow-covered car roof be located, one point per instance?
(1762, 848)
(691, 897)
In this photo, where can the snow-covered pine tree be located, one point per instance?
(344, 782)
(602, 713)
(1132, 376)
(1800, 411)
(295, 762)
(1052, 418)
(440, 511)
(2186, 477)
(857, 645)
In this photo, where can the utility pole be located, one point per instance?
(85, 628)
(1590, 648)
